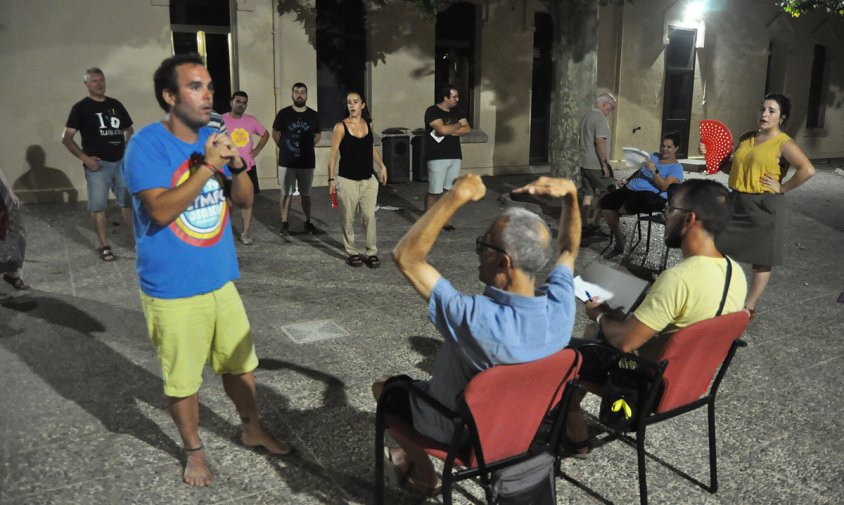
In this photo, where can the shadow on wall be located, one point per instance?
(43, 184)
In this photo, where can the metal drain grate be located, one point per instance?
(314, 331)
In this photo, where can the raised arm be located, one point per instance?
(568, 237)
(411, 253)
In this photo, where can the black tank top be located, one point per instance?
(356, 155)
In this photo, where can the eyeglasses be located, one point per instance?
(670, 208)
(480, 244)
(455, 97)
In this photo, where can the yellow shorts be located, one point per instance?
(189, 332)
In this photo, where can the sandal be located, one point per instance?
(15, 282)
(354, 260)
(373, 262)
(406, 481)
(106, 254)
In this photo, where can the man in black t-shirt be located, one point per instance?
(105, 127)
(296, 131)
(445, 123)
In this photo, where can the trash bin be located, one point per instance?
(420, 164)
(396, 154)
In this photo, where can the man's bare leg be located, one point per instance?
(247, 220)
(306, 207)
(127, 217)
(99, 220)
(241, 390)
(285, 207)
(185, 413)
(408, 457)
(431, 199)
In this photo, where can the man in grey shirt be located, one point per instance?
(595, 139)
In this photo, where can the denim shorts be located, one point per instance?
(108, 177)
(290, 178)
(441, 174)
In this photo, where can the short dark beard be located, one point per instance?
(300, 102)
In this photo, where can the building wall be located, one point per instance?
(730, 71)
(46, 50)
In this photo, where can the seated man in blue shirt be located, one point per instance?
(646, 190)
(513, 321)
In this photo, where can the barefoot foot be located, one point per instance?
(197, 472)
(257, 437)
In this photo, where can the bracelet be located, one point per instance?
(330, 179)
(598, 319)
(236, 171)
(212, 167)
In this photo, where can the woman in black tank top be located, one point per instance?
(356, 183)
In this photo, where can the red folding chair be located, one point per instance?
(501, 410)
(683, 381)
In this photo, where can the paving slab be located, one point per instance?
(84, 419)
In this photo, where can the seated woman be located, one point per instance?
(645, 190)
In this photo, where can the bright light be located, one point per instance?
(694, 11)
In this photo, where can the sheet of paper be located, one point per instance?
(436, 137)
(581, 287)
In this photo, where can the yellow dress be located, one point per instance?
(751, 161)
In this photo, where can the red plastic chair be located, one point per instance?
(501, 410)
(684, 381)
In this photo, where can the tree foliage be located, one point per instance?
(798, 7)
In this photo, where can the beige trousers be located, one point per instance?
(353, 197)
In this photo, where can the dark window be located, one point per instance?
(204, 27)
(341, 56)
(454, 54)
(679, 85)
(815, 110)
(540, 97)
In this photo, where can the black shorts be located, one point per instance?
(634, 202)
(253, 176)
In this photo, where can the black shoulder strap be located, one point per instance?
(726, 285)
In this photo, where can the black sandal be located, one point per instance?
(354, 261)
(373, 262)
(106, 254)
(15, 282)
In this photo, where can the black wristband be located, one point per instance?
(236, 171)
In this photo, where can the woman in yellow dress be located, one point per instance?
(755, 232)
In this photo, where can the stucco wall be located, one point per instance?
(46, 47)
(45, 51)
(730, 71)
(255, 45)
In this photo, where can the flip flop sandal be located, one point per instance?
(106, 254)
(15, 282)
(354, 261)
(373, 262)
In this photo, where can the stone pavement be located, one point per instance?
(84, 420)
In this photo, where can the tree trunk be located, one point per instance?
(575, 70)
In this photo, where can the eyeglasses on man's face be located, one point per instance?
(480, 244)
(671, 208)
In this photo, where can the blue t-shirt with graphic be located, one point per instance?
(194, 254)
(644, 181)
